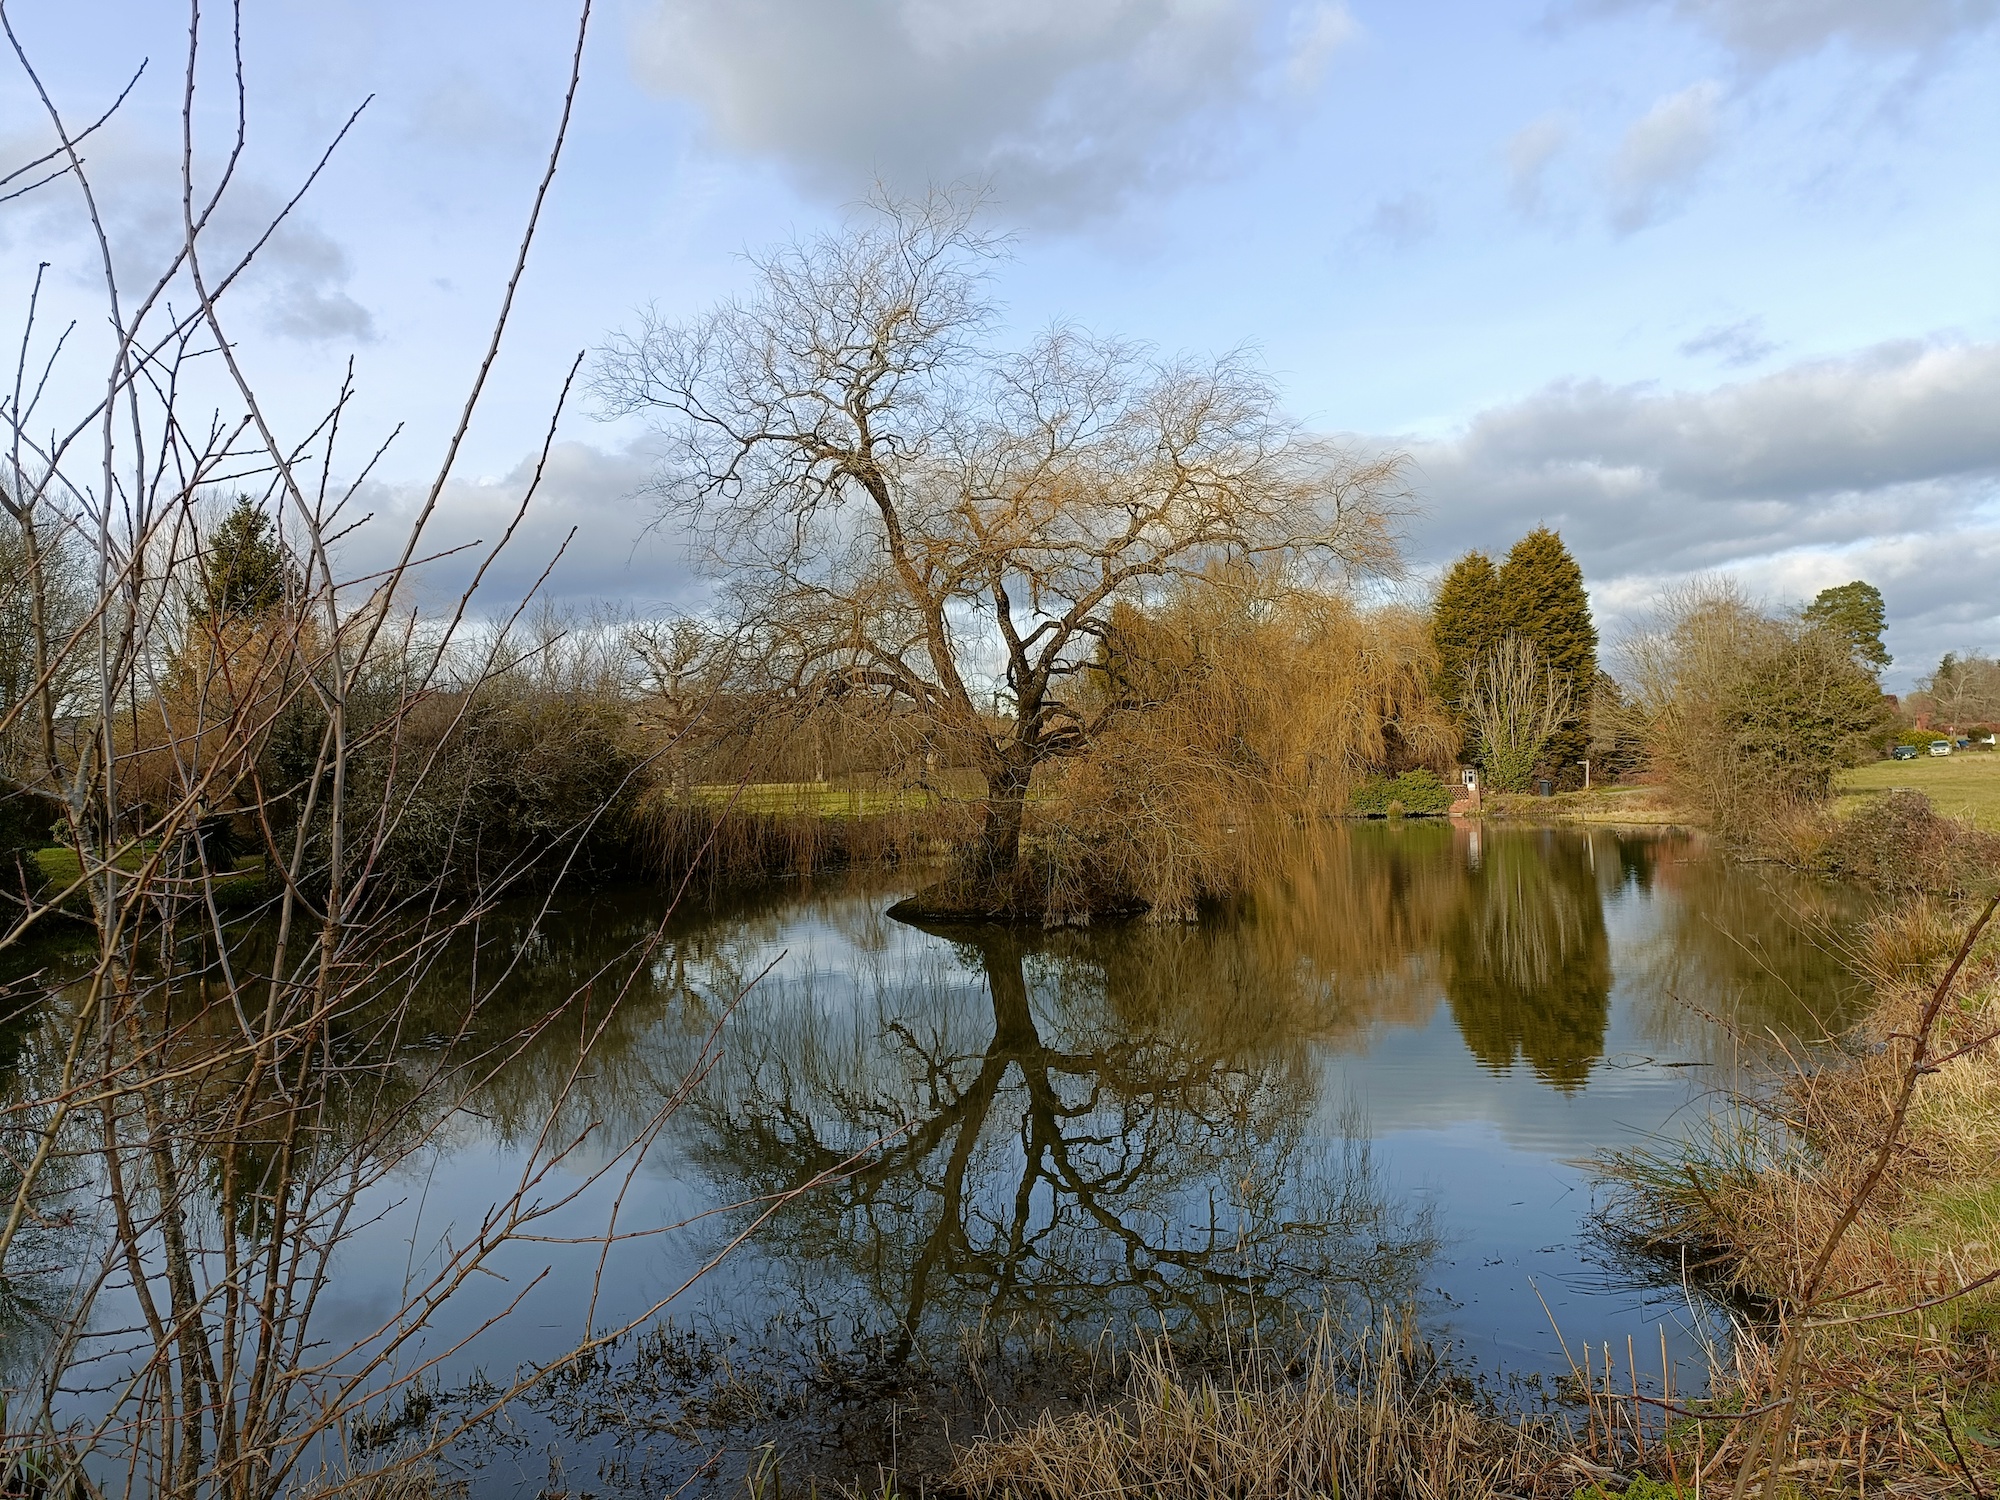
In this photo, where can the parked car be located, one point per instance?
(1940, 747)
(1903, 752)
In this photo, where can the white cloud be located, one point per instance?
(1316, 33)
(1762, 34)
(1069, 106)
(1884, 464)
(1530, 152)
(1661, 155)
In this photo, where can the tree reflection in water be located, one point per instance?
(1074, 1128)
(1046, 1161)
(1527, 960)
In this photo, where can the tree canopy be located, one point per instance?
(1468, 620)
(1537, 595)
(245, 569)
(1854, 612)
(1543, 600)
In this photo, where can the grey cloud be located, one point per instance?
(1762, 34)
(302, 274)
(1661, 155)
(1734, 344)
(1403, 221)
(614, 556)
(1069, 106)
(1530, 152)
(298, 281)
(1892, 450)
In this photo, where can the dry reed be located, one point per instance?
(1867, 1232)
(1359, 1421)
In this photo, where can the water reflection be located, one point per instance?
(1527, 961)
(1085, 1126)
(1070, 1138)
(1088, 1129)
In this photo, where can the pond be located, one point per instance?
(1367, 1093)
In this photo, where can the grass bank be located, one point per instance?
(1630, 806)
(1965, 785)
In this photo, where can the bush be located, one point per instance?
(1920, 738)
(513, 781)
(1421, 794)
(24, 826)
(1899, 842)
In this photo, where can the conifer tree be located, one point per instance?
(1542, 599)
(244, 568)
(1854, 612)
(1467, 622)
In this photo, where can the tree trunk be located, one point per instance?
(997, 856)
(987, 883)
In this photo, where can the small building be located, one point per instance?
(1466, 803)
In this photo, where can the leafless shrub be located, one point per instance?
(1898, 842)
(1517, 705)
(202, 1110)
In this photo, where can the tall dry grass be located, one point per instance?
(1368, 1420)
(1855, 1204)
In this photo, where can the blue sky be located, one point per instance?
(1706, 284)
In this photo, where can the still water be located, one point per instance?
(1371, 1089)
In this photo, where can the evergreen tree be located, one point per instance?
(244, 568)
(1467, 622)
(1542, 599)
(1854, 612)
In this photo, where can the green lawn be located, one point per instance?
(815, 798)
(60, 866)
(1963, 785)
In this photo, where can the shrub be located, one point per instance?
(510, 781)
(1748, 715)
(1421, 793)
(1899, 842)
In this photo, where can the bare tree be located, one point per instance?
(1517, 705)
(895, 508)
(1964, 690)
(1747, 714)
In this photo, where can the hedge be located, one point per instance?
(1418, 792)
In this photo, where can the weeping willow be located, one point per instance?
(1248, 703)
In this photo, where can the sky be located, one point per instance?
(1706, 285)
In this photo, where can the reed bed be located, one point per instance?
(1368, 1420)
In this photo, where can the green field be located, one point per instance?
(815, 798)
(1965, 785)
(60, 867)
